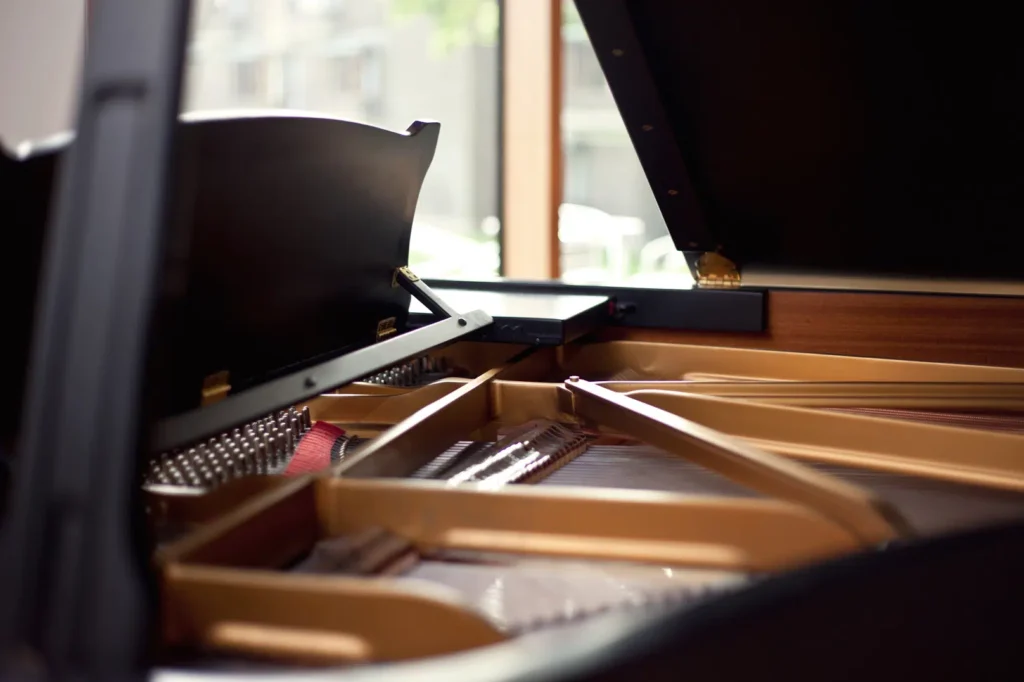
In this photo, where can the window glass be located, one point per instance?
(610, 227)
(383, 62)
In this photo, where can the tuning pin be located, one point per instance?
(245, 467)
(260, 455)
(237, 461)
(252, 462)
(283, 451)
(282, 447)
(274, 448)
(289, 444)
(307, 420)
(227, 464)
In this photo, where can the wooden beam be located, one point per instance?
(532, 159)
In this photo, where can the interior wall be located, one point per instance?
(41, 48)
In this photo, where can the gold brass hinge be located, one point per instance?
(409, 274)
(386, 328)
(215, 388)
(715, 271)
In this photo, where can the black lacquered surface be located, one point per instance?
(847, 136)
(286, 233)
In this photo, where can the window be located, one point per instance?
(610, 227)
(590, 218)
(248, 83)
(383, 62)
(581, 67)
(348, 76)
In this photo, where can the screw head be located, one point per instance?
(310, 382)
(462, 322)
(618, 52)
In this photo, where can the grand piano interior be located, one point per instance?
(343, 467)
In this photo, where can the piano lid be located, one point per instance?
(860, 137)
(287, 231)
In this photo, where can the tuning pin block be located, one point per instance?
(264, 446)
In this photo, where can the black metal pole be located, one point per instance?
(73, 593)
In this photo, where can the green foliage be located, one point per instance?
(570, 16)
(459, 23)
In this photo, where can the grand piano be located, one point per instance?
(250, 441)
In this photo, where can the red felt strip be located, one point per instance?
(314, 451)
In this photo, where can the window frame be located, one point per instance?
(531, 138)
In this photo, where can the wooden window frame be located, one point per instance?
(531, 138)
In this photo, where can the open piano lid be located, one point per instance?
(286, 232)
(871, 138)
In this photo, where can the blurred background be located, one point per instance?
(388, 62)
